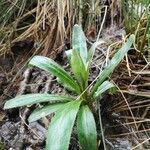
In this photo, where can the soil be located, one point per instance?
(16, 79)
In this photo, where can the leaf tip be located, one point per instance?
(7, 105)
(132, 38)
(30, 119)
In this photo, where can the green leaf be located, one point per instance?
(66, 86)
(52, 67)
(60, 128)
(69, 54)
(92, 51)
(86, 128)
(30, 99)
(113, 63)
(103, 87)
(79, 42)
(42, 112)
(78, 69)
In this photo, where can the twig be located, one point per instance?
(139, 74)
(24, 83)
(140, 143)
(24, 122)
(102, 24)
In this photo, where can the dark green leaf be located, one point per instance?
(42, 112)
(86, 128)
(60, 128)
(114, 62)
(30, 99)
(52, 67)
(79, 69)
(66, 86)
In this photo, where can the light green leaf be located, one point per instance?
(42, 112)
(30, 99)
(92, 51)
(52, 67)
(114, 62)
(79, 69)
(86, 128)
(79, 42)
(60, 128)
(103, 87)
(69, 54)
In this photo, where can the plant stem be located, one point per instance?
(101, 126)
